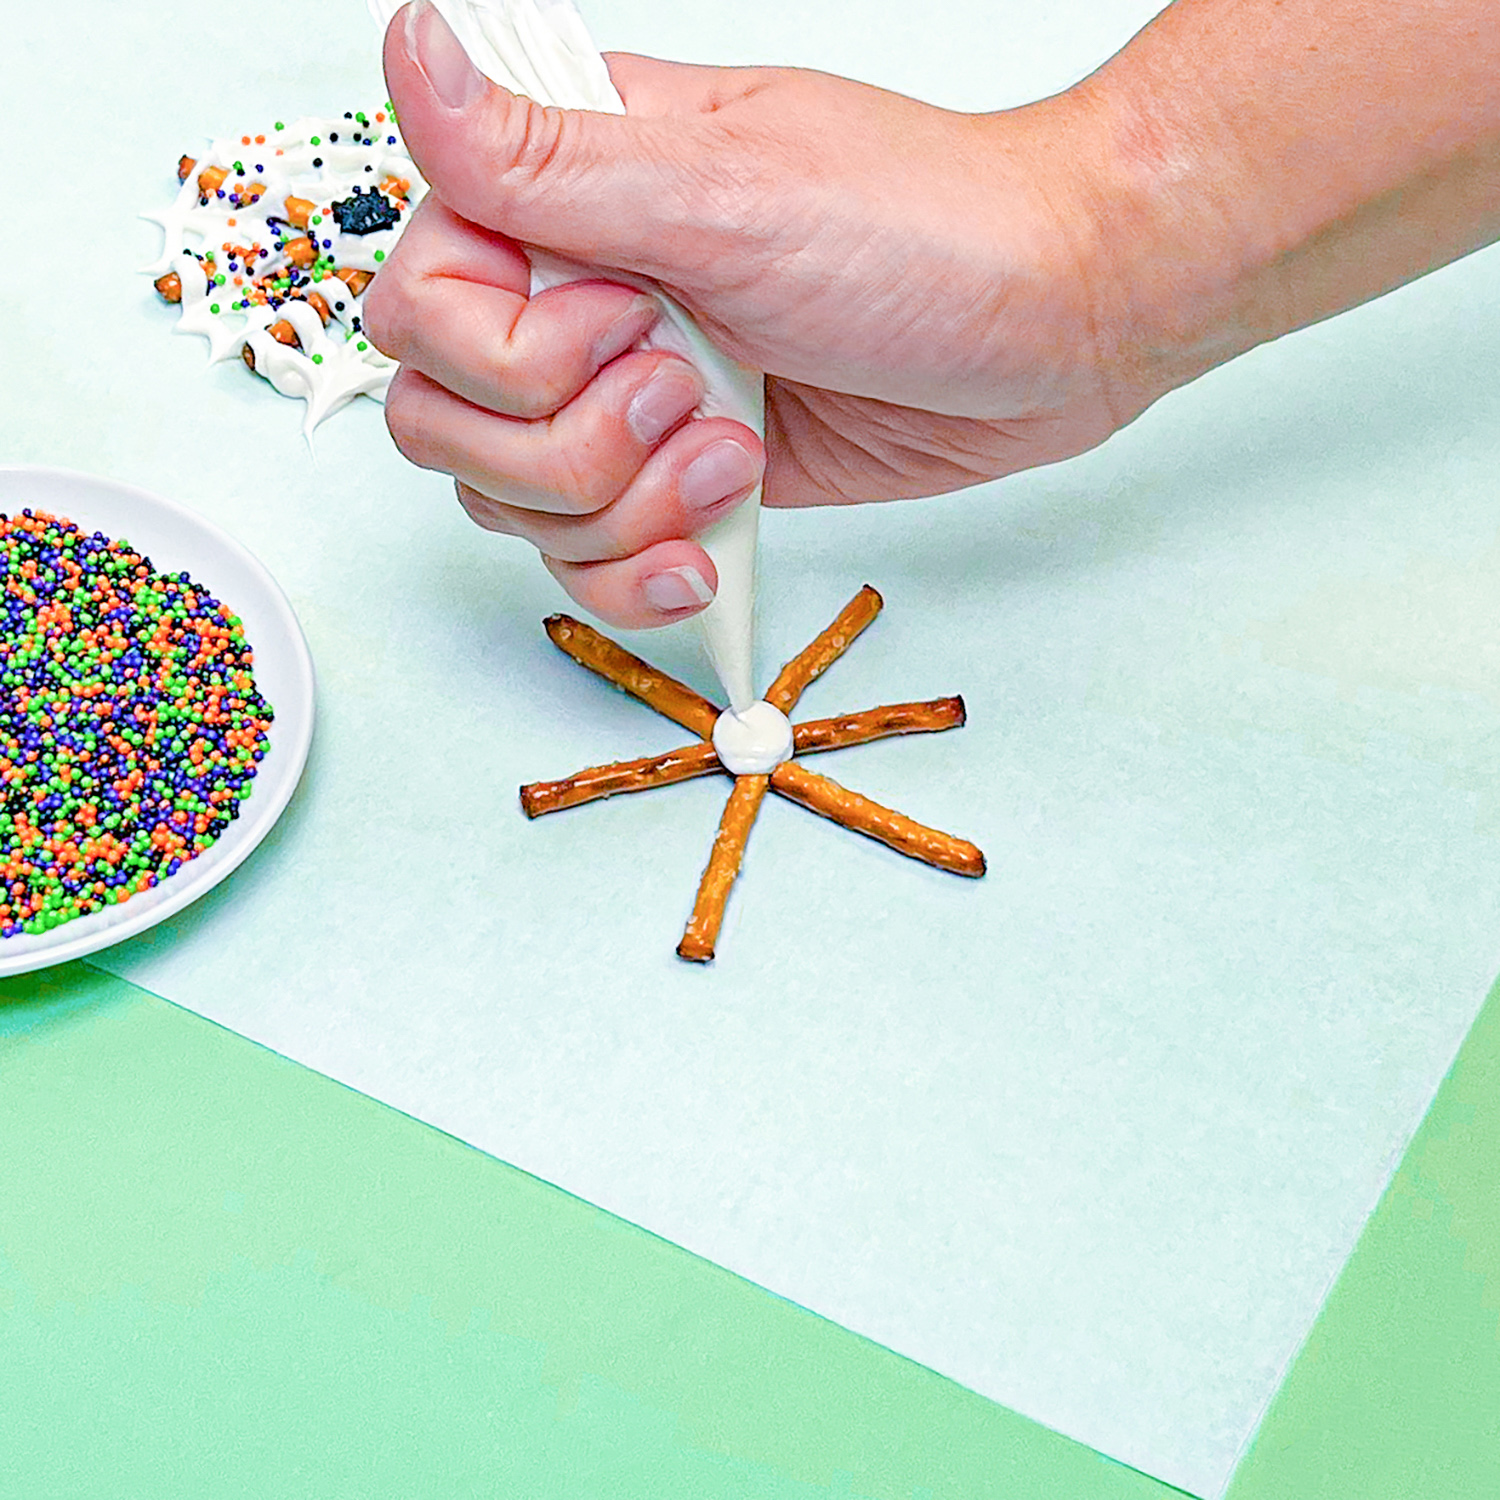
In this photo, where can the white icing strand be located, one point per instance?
(541, 48)
(754, 740)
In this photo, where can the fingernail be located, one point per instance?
(440, 55)
(677, 588)
(721, 470)
(640, 315)
(660, 404)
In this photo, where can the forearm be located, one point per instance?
(1268, 163)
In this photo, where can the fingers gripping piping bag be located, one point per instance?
(541, 49)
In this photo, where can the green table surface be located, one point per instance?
(223, 1275)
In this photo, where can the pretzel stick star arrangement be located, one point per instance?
(788, 778)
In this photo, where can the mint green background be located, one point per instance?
(223, 1275)
(1396, 1394)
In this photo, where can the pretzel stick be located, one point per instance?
(878, 724)
(830, 800)
(630, 674)
(697, 945)
(825, 648)
(679, 702)
(539, 797)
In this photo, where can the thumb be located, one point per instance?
(576, 182)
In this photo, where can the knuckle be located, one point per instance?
(388, 312)
(485, 512)
(404, 405)
(582, 488)
(524, 397)
(591, 539)
(537, 133)
(524, 375)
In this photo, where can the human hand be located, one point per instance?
(920, 286)
(936, 299)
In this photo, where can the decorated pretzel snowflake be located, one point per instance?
(271, 242)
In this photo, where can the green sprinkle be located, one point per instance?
(213, 307)
(361, 346)
(239, 167)
(317, 359)
(315, 141)
(280, 126)
(380, 255)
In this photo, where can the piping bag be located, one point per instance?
(541, 48)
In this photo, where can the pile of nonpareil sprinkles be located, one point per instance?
(130, 726)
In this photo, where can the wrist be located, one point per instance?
(1252, 170)
(1139, 284)
(1178, 283)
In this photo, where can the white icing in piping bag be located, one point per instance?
(541, 48)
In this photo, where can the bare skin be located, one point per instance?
(937, 299)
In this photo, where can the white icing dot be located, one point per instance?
(755, 741)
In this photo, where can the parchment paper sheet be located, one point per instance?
(1091, 1136)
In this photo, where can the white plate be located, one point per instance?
(174, 538)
